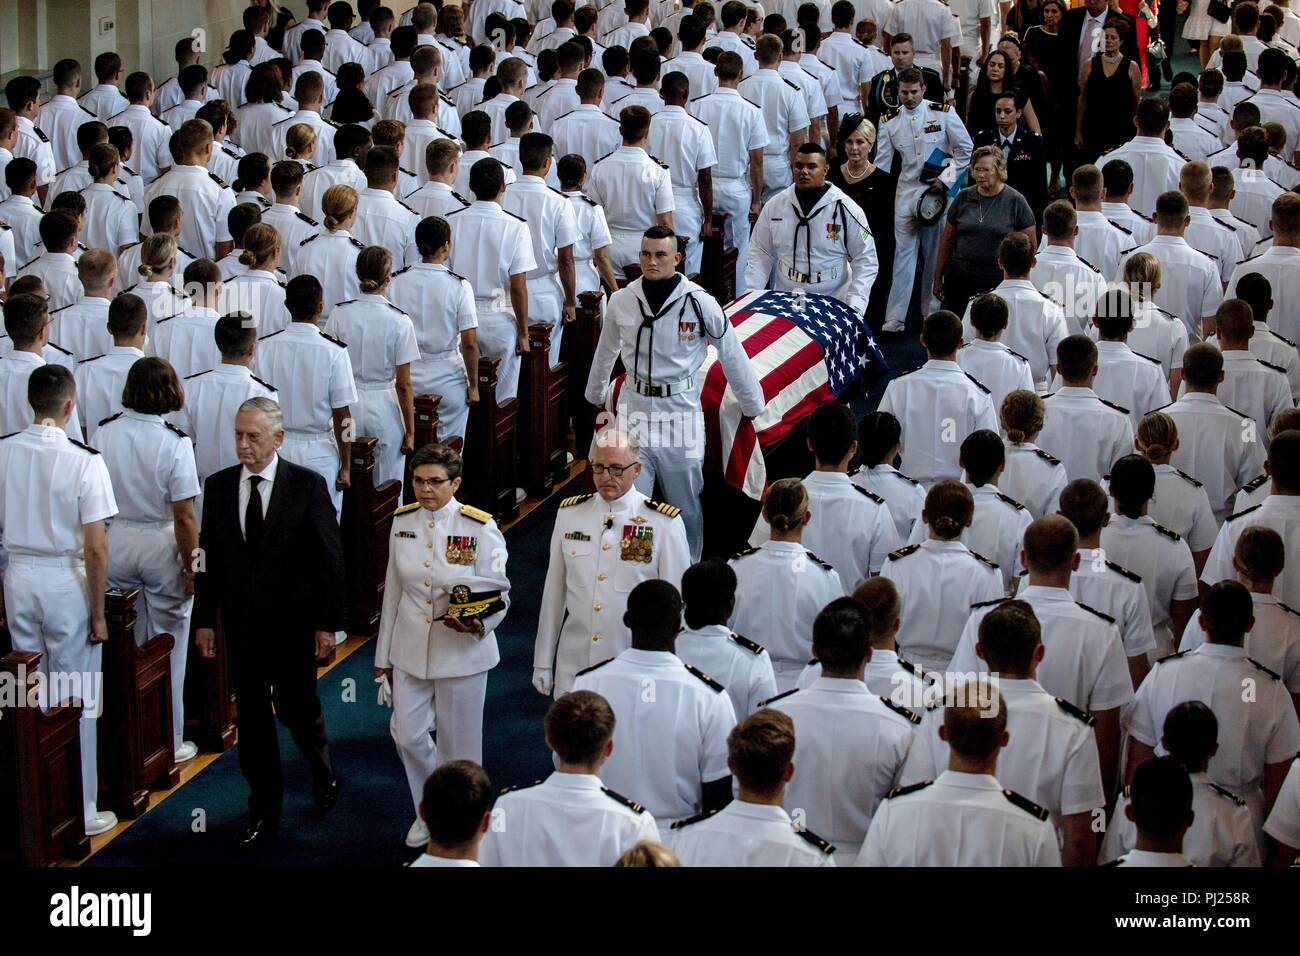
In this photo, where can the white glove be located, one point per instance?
(385, 692)
(543, 680)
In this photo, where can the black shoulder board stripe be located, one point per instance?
(1101, 614)
(315, 235)
(1225, 792)
(402, 270)
(1288, 609)
(987, 603)
(870, 494)
(982, 387)
(1271, 673)
(218, 180)
(588, 670)
(904, 791)
(678, 824)
(58, 348)
(91, 359)
(1050, 459)
(1147, 357)
(744, 553)
(1276, 368)
(197, 374)
(262, 383)
(904, 552)
(340, 343)
(513, 216)
(171, 427)
(1186, 477)
(1120, 569)
(1078, 712)
(1011, 501)
(818, 561)
(773, 700)
(619, 798)
(825, 846)
(991, 563)
(1172, 535)
(1026, 804)
(83, 445)
(1172, 657)
(307, 219)
(1240, 513)
(747, 644)
(1235, 412)
(110, 418)
(901, 710)
(695, 671)
(1109, 404)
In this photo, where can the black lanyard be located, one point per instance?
(805, 223)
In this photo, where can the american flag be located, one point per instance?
(806, 349)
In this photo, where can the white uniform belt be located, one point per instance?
(812, 278)
(444, 356)
(298, 434)
(143, 523)
(376, 386)
(46, 560)
(664, 390)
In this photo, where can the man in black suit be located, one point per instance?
(1023, 149)
(272, 564)
(1081, 36)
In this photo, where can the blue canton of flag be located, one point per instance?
(847, 345)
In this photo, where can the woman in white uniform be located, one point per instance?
(258, 290)
(331, 256)
(381, 344)
(112, 221)
(262, 111)
(1156, 333)
(781, 586)
(300, 145)
(157, 266)
(1181, 503)
(1031, 476)
(445, 594)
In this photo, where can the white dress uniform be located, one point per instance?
(938, 582)
(1071, 283)
(1222, 833)
(1282, 514)
(419, 134)
(15, 413)
(961, 819)
(379, 337)
(785, 111)
(33, 144)
(1034, 478)
(1099, 241)
(1163, 561)
(1157, 333)
(1191, 288)
(647, 96)
(744, 834)
(187, 341)
(381, 84)
(384, 220)
(467, 96)
(294, 227)
(1117, 592)
(82, 328)
(59, 117)
(842, 263)
(169, 95)
(1283, 822)
(1086, 432)
(734, 43)
(439, 675)
(23, 216)
(1128, 379)
(929, 22)
(150, 136)
(742, 666)
(1254, 197)
(151, 464)
(586, 131)
(1255, 388)
(58, 273)
(1181, 505)
(915, 135)
(736, 127)
(1247, 235)
(490, 245)
(904, 496)
(997, 529)
(328, 80)
(1035, 327)
(467, 161)
(838, 504)
(633, 187)
(435, 199)
(313, 375)
(700, 78)
(551, 227)
(332, 258)
(341, 48)
(45, 581)
(128, 268)
(1216, 239)
(495, 108)
(853, 65)
(671, 732)
(685, 144)
(1084, 661)
(580, 576)
(440, 305)
(1213, 449)
(111, 218)
(1278, 265)
(1267, 346)
(231, 81)
(161, 300)
(104, 100)
(661, 397)
(279, 131)
(334, 173)
(1255, 728)
(560, 98)
(207, 202)
(936, 392)
(593, 235)
(1274, 641)
(997, 366)
(262, 295)
(99, 385)
(1275, 106)
(781, 587)
(569, 819)
(224, 164)
(212, 399)
(1156, 167)
(1193, 140)
(1051, 757)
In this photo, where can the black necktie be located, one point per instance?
(253, 512)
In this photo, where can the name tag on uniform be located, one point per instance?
(637, 543)
(686, 331)
(933, 128)
(461, 549)
(577, 536)
(405, 534)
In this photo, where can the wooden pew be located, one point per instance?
(426, 433)
(544, 392)
(42, 810)
(210, 697)
(367, 519)
(490, 443)
(578, 348)
(136, 749)
(718, 264)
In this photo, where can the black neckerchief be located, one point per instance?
(657, 291)
(810, 197)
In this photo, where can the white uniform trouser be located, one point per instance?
(670, 431)
(443, 373)
(455, 704)
(624, 248)
(776, 173)
(546, 304)
(498, 335)
(142, 554)
(687, 216)
(907, 236)
(317, 451)
(585, 276)
(48, 612)
(732, 196)
(378, 413)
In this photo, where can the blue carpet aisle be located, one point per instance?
(195, 825)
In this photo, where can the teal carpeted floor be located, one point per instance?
(194, 826)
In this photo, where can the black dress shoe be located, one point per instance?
(259, 830)
(326, 794)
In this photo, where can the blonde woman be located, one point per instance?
(1031, 476)
(111, 221)
(1157, 333)
(872, 188)
(300, 145)
(331, 255)
(155, 288)
(1180, 502)
(381, 343)
(781, 586)
(259, 291)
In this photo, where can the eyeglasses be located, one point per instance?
(616, 470)
(429, 483)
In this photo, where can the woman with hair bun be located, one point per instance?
(258, 290)
(940, 579)
(1031, 476)
(154, 275)
(781, 586)
(381, 344)
(300, 145)
(331, 255)
(1180, 502)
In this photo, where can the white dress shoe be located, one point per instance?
(418, 836)
(340, 637)
(520, 495)
(101, 822)
(892, 326)
(187, 751)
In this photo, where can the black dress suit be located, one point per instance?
(273, 598)
(1071, 31)
(1026, 165)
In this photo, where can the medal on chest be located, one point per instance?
(461, 549)
(686, 331)
(832, 232)
(638, 542)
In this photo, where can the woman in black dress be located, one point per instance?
(1023, 15)
(872, 188)
(1044, 50)
(996, 77)
(1109, 86)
